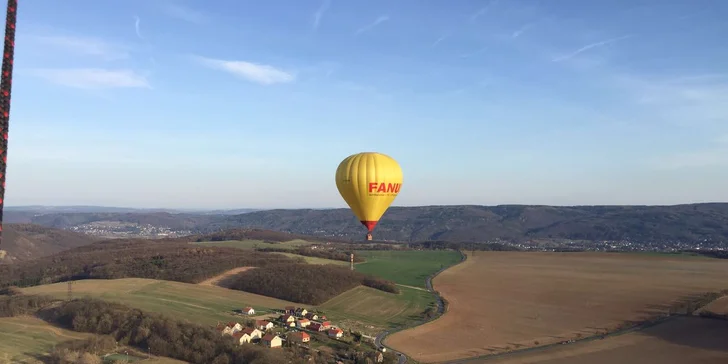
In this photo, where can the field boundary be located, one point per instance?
(441, 309)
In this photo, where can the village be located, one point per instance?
(295, 326)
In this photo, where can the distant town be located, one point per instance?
(619, 245)
(118, 230)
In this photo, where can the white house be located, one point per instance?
(301, 312)
(234, 327)
(248, 311)
(253, 333)
(230, 328)
(272, 341)
(264, 325)
(242, 337)
(336, 333)
(303, 323)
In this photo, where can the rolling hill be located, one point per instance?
(461, 223)
(689, 223)
(23, 242)
(65, 220)
(138, 258)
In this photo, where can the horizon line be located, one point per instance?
(189, 209)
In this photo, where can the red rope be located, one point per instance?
(6, 83)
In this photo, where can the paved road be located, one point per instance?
(402, 359)
(440, 311)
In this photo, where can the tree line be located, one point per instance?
(13, 304)
(304, 283)
(135, 258)
(268, 236)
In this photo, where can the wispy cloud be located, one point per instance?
(319, 14)
(684, 100)
(522, 30)
(84, 45)
(440, 39)
(137, 29)
(93, 78)
(254, 72)
(590, 46)
(185, 13)
(379, 20)
(480, 12)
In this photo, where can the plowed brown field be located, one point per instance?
(685, 340)
(507, 300)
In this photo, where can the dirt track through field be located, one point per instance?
(501, 301)
(214, 281)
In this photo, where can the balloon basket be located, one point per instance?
(369, 237)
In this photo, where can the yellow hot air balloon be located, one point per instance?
(369, 182)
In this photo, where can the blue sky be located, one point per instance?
(223, 104)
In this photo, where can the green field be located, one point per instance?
(252, 244)
(197, 303)
(408, 267)
(206, 305)
(24, 338)
(371, 310)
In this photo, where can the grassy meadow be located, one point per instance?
(23, 339)
(197, 303)
(408, 267)
(371, 310)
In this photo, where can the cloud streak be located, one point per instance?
(482, 10)
(687, 100)
(254, 72)
(588, 47)
(439, 40)
(319, 14)
(137, 29)
(184, 13)
(92, 78)
(84, 45)
(522, 30)
(379, 20)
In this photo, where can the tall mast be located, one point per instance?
(6, 83)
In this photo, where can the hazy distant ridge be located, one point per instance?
(463, 223)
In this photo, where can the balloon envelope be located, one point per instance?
(369, 182)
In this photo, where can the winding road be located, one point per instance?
(402, 359)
